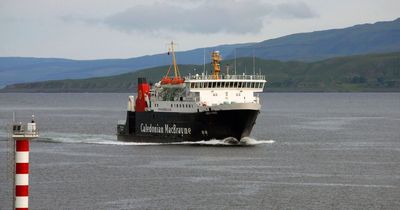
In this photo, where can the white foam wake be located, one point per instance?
(246, 141)
(112, 140)
(250, 141)
(76, 138)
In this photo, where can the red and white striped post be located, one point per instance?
(21, 174)
(22, 134)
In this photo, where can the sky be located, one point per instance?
(98, 29)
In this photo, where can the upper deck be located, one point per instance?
(224, 77)
(250, 82)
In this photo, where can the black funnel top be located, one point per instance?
(142, 80)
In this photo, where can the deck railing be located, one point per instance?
(225, 77)
(24, 130)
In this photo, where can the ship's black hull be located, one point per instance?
(164, 127)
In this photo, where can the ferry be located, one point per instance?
(194, 107)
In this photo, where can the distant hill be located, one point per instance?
(21, 69)
(380, 37)
(375, 72)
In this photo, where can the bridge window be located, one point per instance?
(252, 85)
(192, 85)
(218, 84)
(231, 85)
(235, 85)
(240, 85)
(209, 84)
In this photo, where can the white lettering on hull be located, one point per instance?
(166, 129)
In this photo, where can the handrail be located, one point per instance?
(36, 132)
(225, 77)
(23, 129)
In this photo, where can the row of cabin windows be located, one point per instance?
(182, 105)
(178, 105)
(226, 85)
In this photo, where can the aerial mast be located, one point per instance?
(204, 60)
(235, 61)
(254, 64)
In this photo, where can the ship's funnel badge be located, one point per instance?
(143, 91)
(140, 94)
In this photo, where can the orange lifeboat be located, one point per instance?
(166, 80)
(177, 80)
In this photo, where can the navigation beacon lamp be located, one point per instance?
(22, 134)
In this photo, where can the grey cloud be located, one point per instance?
(294, 10)
(235, 17)
(77, 18)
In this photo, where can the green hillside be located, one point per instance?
(374, 72)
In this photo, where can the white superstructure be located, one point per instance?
(202, 93)
(227, 89)
(197, 93)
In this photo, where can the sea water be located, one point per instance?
(306, 151)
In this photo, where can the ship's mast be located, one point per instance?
(204, 60)
(235, 61)
(177, 77)
(176, 70)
